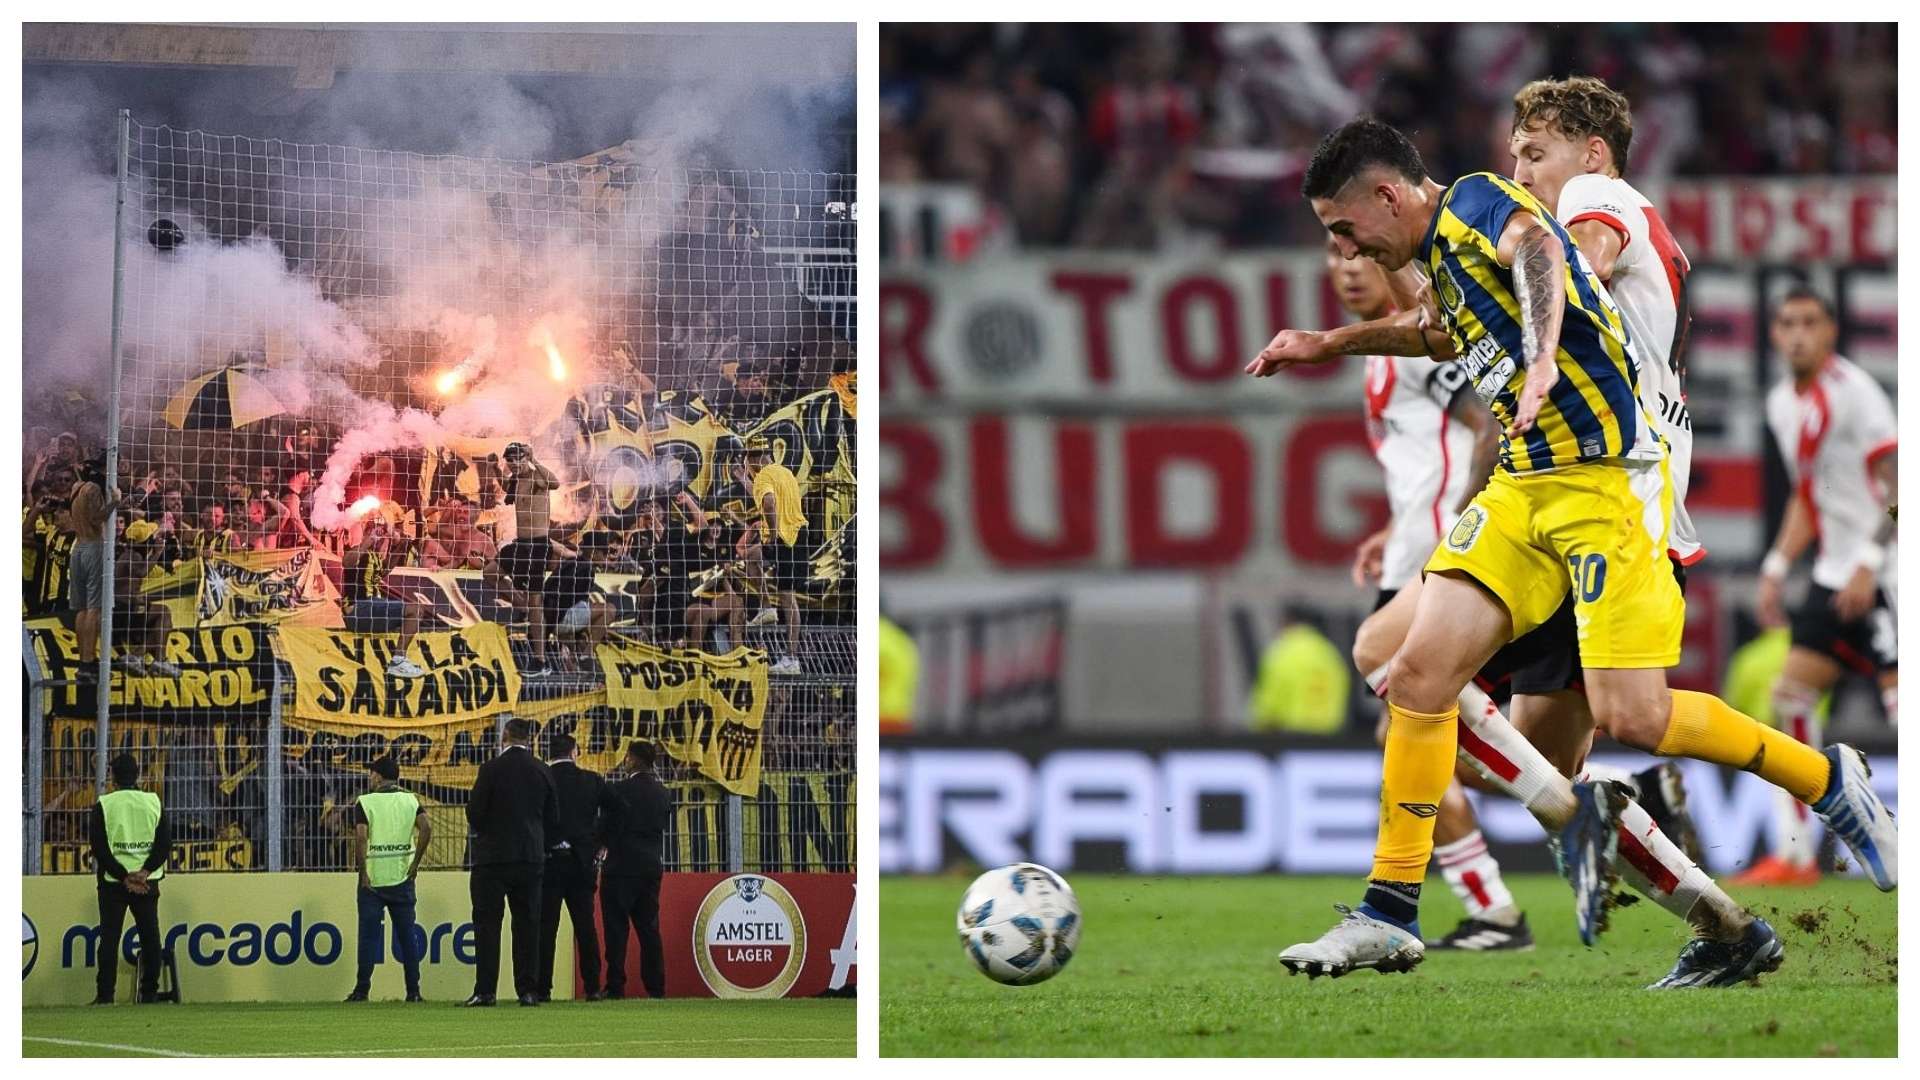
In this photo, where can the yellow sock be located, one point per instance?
(1704, 727)
(1418, 768)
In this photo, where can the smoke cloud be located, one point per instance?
(365, 284)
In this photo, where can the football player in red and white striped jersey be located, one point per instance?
(1834, 427)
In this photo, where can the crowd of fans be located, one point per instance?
(1134, 137)
(698, 571)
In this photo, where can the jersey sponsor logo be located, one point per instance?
(1467, 529)
(749, 938)
(1674, 412)
(1489, 366)
(1447, 379)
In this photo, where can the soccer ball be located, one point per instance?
(1019, 924)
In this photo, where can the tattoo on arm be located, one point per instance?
(1391, 336)
(1539, 284)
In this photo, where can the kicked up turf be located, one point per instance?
(1186, 966)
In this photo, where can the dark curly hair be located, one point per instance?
(1578, 107)
(1355, 147)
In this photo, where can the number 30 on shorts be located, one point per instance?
(1589, 574)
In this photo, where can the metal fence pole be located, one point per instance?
(736, 834)
(276, 779)
(35, 803)
(103, 692)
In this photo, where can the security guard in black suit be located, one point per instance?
(513, 810)
(584, 796)
(634, 836)
(131, 841)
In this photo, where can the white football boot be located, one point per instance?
(1356, 941)
(1854, 812)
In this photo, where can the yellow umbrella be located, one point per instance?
(222, 400)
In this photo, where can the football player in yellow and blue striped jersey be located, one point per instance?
(1581, 505)
(1592, 410)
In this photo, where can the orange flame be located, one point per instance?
(363, 506)
(449, 381)
(556, 364)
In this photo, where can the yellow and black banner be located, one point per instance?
(285, 586)
(800, 821)
(225, 672)
(814, 437)
(702, 709)
(341, 678)
(225, 752)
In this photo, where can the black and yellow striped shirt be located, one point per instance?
(1593, 411)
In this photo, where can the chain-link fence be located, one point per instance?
(599, 403)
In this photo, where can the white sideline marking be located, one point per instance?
(156, 1051)
(460, 1051)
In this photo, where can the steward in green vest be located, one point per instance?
(391, 834)
(130, 842)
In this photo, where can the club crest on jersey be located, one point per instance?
(1467, 529)
(1448, 289)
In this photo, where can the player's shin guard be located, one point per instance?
(1703, 727)
(1496, 749)
(1417, 768)
(1657, 869)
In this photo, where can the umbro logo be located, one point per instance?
(1420, 809)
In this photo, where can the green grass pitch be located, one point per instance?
(684, 1027)
(1186, 966)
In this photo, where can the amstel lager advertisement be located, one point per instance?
(755, 935)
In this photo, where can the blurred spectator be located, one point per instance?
(1302, 686)
(1151, 136)
(899, 677)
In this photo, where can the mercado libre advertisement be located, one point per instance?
(294, 937)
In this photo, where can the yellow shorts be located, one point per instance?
(1598, 530)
